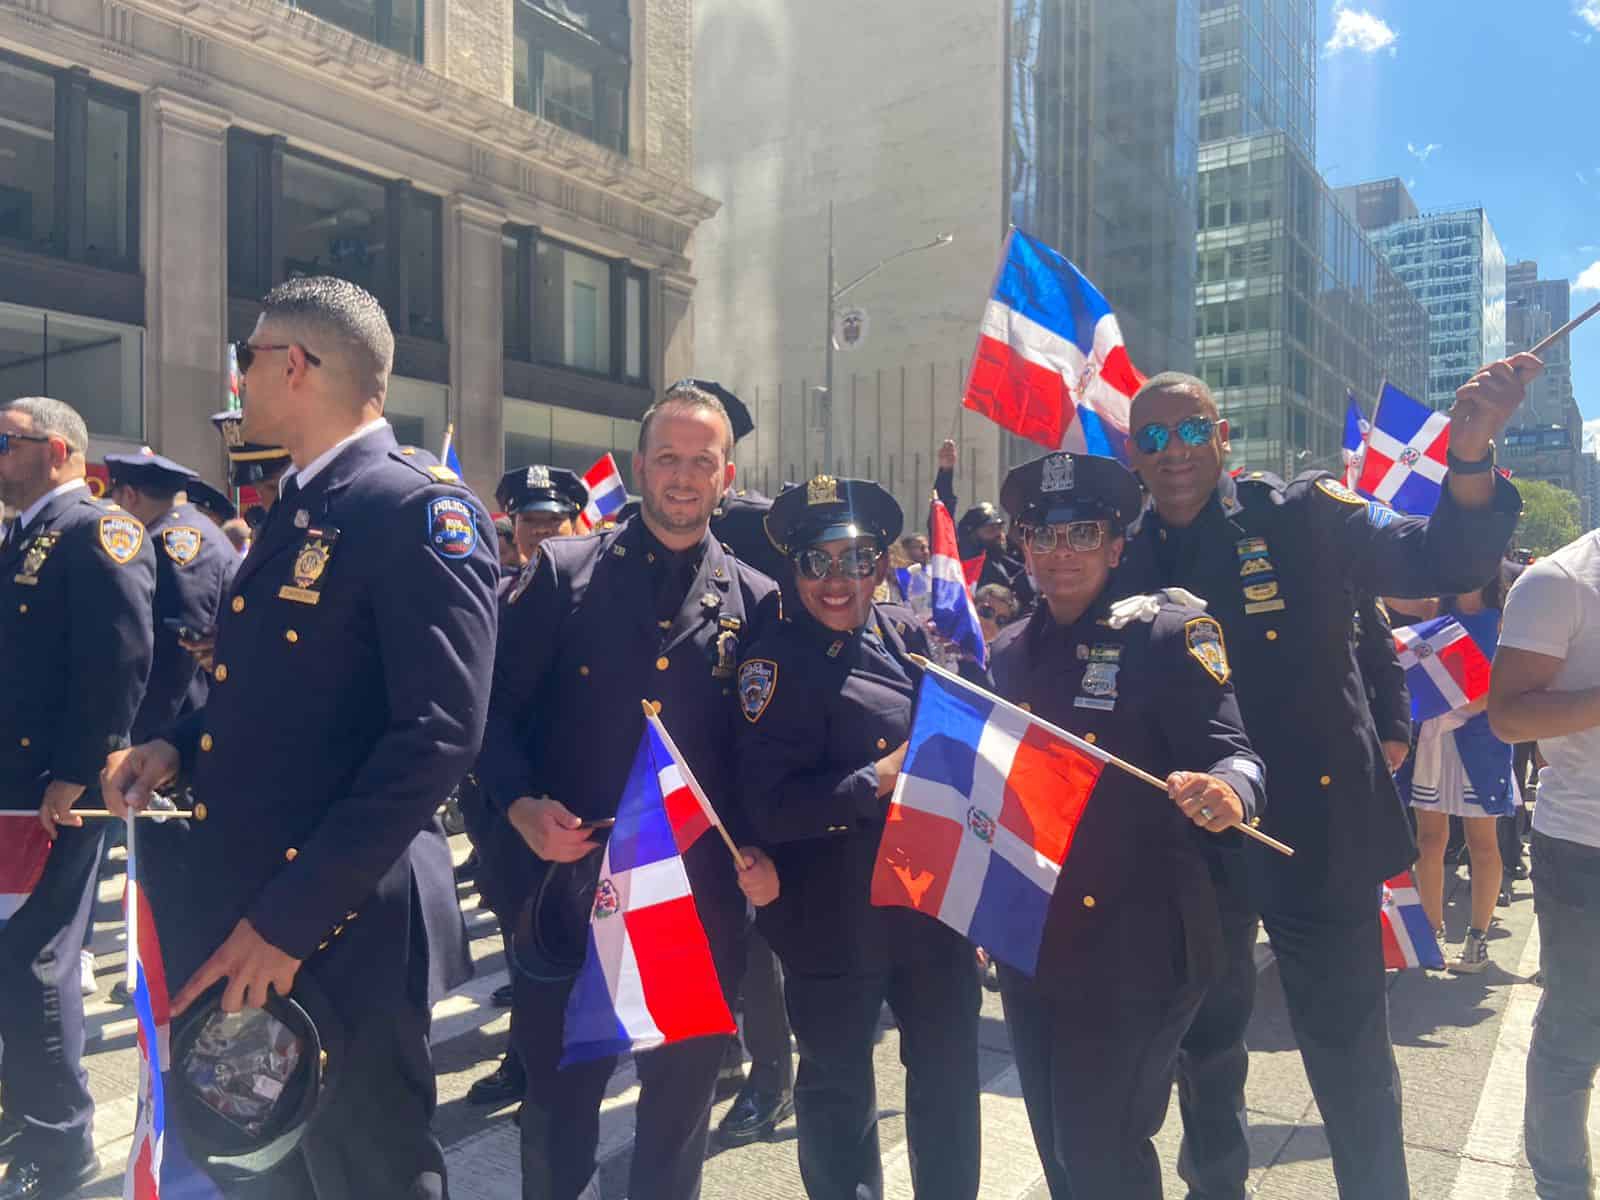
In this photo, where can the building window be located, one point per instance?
(634, 319)
(565, 437)
(570, 308)
(396, 24)
(95, 366)
(334, 223)
(69, 154)
(570, 66)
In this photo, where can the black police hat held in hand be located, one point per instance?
(245, 1086)
(1071, 487)
(551, 936)
(827, 508)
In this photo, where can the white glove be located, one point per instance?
(1144, 608)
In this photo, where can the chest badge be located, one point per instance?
(33, 558)
(121, 537)
(182, 544)
(1258, 578)
(1099, 687)
(310, 564)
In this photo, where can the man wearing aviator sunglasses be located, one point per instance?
(1282, 567)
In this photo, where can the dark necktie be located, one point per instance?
(674, 574)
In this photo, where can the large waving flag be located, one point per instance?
(1404, 464)
(1408, 941)
(1446, 664)
(24, 845)
(607, 495)
(1353, 446)
(954, 614)
(982, 817)
(1050, 363)
(648, 978)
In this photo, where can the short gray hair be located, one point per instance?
(329, 307)
(1178, 381)
(686, 395)
(54, 418)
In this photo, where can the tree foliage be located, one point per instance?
(1549, 516)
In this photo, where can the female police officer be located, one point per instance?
(826, 697)
(1132, 936)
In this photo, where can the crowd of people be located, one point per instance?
(311, 686)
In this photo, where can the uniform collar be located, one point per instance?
(315, 467)
(658, 554)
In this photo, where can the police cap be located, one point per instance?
(248, 462)
(977, 517)
(210, 499)
(538, 488)
(738, 414)
(829, 508)
(551, 934)
(149, 469)
(1071, 487)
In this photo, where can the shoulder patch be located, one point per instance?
(1203, 636)
(182, 543)
(758, 679)
(1332, 487)
(452, 530)
(121, 537)
(443, 474)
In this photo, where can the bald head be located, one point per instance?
(1175, 382)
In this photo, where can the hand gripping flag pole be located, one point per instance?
(1093, 751)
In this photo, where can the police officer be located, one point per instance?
(77, 578)
(982, 530)
(1135, 902)
(826, 697)
(350, 690)
(194, 566)
(255, 465)
(655, 610)
(1281, 567)
(543, 502)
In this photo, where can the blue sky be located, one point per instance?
(1477, 102)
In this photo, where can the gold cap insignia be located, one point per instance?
(824, 489)
(233, 434)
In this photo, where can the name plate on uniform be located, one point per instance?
(310, 562)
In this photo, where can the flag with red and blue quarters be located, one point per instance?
(1408, 939)
(1050, 363)
(607, 493)
(954, 614)
(982, 818)
(1404, 463)
(24, 846)
(648, 978)
(1447, 661)
(1353, 445)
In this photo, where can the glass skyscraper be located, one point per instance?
(1258, 70)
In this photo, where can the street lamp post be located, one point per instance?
(834, 295)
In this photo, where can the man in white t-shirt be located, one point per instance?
(1546, 687)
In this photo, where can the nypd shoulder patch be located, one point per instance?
(121, 537)
(1332, 487)
(758, 679)
(182, 543)
(1203, 637)
(452, 530)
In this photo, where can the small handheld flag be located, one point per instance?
(954, 614)
(447, 453)
(24, 846)
(607, 495)
(1050, 364)
(1404, 464)
(149, 991)
(648, 978)
(1353, 446)
(1408, 940)
(1446, 666)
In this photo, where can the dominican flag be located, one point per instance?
(1408, 941)
(1354, 444)
(954, 614)
(1404, 464)
(607, 495)
(982, 817)
(648, 978)
(1446, 666)
(144, 1175)
(1050, 363)
(24, 845)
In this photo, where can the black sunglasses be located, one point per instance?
(7, 438)
(854, 562)
(990, 613)
(245, 354)
(1192, 431)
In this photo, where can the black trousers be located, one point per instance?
(42, 1079)
(835, 1020)
(765, 1022)
(1330, 959)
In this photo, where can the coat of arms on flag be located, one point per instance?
(1408, 940)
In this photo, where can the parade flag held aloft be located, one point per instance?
(982, 817)
(1404, 463)
(1408, 939)
(24, 845)
(1446, 666)
(1353, 446)
(607, 494)
(648, 978)
(954, 614)
(1050, 363)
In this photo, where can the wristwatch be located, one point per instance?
(1461, 466)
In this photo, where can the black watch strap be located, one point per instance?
(1462, 467)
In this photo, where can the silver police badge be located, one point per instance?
(1057, 476)
(1099, 686)
(538, 477)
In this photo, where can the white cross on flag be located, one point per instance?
(1404, 465)
(1445, 667)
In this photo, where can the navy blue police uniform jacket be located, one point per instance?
(194, 567)
(820, 709)
(1159, 695)
(76, 589)
(580, 647)
(350, 687)
(739, 523)
(1385, 679)
(1281, 566)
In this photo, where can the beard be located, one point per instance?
(686, 523)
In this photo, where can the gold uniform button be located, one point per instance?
(291, 854)
(1090, 738)
(26, 742)
(199, 811)
(290, 636)
(662, 663)
(205, 741)
(1255, 822)
(238, 604)
(22, 608)
(655, 707)
(1272, 635)
(221, 673)
(1088, 901)
(1025, 706)
(883, 744)
(1325, 780)
(584, 671)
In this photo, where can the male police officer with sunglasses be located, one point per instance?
(1280, 567)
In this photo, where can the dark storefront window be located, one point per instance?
(569, 308)
(396, 24)
(334, 223)
(570, 63)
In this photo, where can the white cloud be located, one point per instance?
(1583, 179)
(1366, 33)
(1424, 153)
(1588, 11)
(1588, 279)
(1411, 184)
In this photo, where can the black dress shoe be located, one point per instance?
(505, 1083)
(501, 996)
(35, 1179)
(10, 1131)
(119, 993)
(755, 1114)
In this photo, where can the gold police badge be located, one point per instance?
(309, 565)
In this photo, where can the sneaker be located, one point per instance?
(87, 983)
(1474, 954)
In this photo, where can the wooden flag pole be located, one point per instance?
(1093, 751)
(152, 813)
(1543, 343)
(694, 784)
